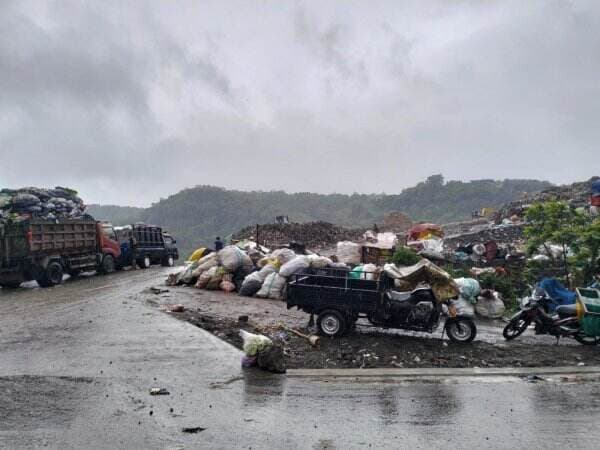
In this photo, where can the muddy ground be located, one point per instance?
(367, 346)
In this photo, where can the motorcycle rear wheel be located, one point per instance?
(516, 327)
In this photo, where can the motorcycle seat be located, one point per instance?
(566, 310)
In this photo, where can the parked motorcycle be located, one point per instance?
(420, 311)
(535, 309)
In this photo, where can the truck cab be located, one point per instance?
(145, 245)
(110, 248)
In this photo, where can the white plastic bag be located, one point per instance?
(490, 307)
(254, 343)
(293, 266)
(319, 262)
(284, 255)
(368, 272)
(463, 307)
(272, 287)
(232, 257)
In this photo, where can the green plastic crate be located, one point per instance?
(590, 300)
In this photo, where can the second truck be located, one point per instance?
(44, 250)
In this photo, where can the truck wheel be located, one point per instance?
(52, 276)
(108, 264)
(168, 261)
(144, 262)
(331, 323)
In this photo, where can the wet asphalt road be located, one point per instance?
(77, 362)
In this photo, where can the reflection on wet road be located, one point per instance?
(77, 362)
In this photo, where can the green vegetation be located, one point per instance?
(576, 234)
(405, 256)
(196, 215)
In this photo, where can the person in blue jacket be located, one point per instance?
(218, 244)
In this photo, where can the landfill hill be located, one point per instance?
(314, 235)
(196, 215)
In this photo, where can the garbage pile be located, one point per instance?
(50, 204)
(247, 268)
(465, 294)
(313, 235)
(578, 195)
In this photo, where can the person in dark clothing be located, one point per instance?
(218, 244)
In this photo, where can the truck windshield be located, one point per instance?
(109, 232)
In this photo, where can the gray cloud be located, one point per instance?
(129, 102)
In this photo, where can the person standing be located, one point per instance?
(218, 244)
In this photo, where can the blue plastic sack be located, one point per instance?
(559, 294)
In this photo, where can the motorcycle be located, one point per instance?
(419, 310)
(535, 309)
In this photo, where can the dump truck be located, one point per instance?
(144, 245)
(43, 250)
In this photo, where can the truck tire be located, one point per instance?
(108, 264)
(168, 261)
(331, 323)
(53, 275)
(144, 262)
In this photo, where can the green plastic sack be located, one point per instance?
(356, 273)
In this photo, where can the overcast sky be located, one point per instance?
(132, 101)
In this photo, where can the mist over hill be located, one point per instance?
(196, 215)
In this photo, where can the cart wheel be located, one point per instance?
(331, 323)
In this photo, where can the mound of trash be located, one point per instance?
(577, 195)
(248, 269)
(312, 235)
(51, 204)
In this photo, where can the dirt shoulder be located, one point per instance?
(218, 313)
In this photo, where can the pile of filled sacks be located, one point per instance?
(250, 271)
(50, 204)
(223, 270)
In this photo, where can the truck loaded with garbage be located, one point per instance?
(45, 233)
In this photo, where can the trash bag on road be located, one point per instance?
(254, 343)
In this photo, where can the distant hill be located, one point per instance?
(196, 215)
(118, 215)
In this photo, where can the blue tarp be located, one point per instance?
(557, 292)
(596, 188)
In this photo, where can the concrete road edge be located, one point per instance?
(441, 372)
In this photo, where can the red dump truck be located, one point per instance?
(43, 250)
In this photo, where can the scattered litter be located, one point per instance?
(176, 308)
(159, 391)
(192, 429)
(157, 290)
